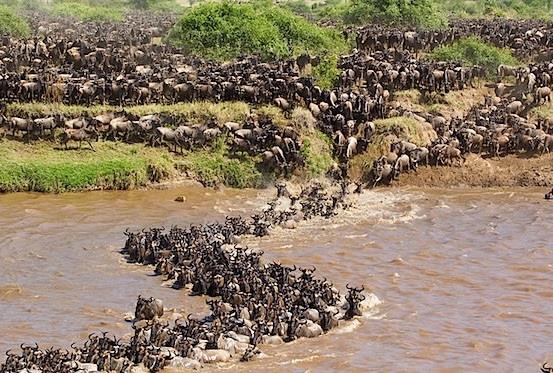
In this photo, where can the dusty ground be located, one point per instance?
(449, 105)
(519, 170)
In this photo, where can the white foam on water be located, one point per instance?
(369, 207)
(347, 327)
(306, 359)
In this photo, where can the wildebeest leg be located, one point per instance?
(90, 144)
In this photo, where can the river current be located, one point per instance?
(465, 276)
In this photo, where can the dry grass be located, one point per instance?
(449, 105)
(388, 130)
(303, 121)
(193, 111)
(541, 112)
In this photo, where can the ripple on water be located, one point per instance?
(464, 275)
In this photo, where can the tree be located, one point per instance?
(396, 12)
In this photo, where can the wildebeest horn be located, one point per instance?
(21, 345)
(73, 346)
(8, 352)
(347, 287)
(314, 268)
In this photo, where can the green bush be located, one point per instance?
(473, 51)
(227, 30)
(299, 7)
(85, 12)
(12, 24)
(326, 73)
(423, 13)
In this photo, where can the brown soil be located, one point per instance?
(510, 171)
(450, 105)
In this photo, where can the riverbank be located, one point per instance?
(46, 167)
(43, 167)
(514, 170)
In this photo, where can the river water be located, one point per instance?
(465, 277)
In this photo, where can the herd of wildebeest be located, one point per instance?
(126, 63)
(250, 302)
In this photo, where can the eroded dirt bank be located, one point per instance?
(518, 170)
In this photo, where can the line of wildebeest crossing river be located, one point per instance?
(250, 303)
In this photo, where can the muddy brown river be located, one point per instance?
(465, 277)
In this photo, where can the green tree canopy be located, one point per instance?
(227, 30)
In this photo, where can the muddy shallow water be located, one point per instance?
(465, 276)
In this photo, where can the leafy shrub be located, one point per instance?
(396, 12)
(12, 24)
(473, 51)
(227, 30)
(326, 73)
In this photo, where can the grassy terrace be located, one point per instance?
(194, 111)
(45, 167)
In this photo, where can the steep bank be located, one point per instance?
(515, 170)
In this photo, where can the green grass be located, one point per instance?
(12, 24)
(42, 168)
(317, 153)
(473, 51)
(524, 9)
(85, 12)
(216, 166)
